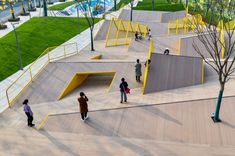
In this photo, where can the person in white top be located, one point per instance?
(149, 34)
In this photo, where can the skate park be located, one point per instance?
(166, 114)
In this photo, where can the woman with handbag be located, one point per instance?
(124, 90)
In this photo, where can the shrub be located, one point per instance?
(14, 19)
(3, 26)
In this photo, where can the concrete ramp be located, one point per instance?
(53, 80)
(169, 41)
(169, 16)
(187, 49)
(158, 29)
(102, 33)
(142, 16)
(139, 45)
(170, 72)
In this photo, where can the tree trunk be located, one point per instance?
(131, 11)
(92, 44)
(219, 100)
(39, 3)
(115, 5)
(12, 11)
(44, 8)
(152, 5)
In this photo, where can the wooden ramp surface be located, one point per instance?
(55, 77)
(187, 122)
(70, 144)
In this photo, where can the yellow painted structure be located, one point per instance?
(120, 32)
(26, 78)
(97, 57)
(203, 71)
(151, 48)
(79, 78)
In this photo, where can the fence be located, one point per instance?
(185, 24)
(24, 80)
(120, 32)
(151, 48)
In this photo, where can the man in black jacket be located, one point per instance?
(123, 87)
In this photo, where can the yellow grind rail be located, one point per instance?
(185, 24)
(121, 31)
(151, 48)
(25, 79)
(203, 71)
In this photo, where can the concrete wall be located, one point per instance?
(141, 16)
(187, 49)
(171, 72)
(102, 33)
(169, 16)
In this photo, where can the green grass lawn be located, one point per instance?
(35, 36)
(159, 5)
(62, 6)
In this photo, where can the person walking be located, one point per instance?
(149, 34)
(83, 106)
(28, 113)
(123, 88)
(138, 72)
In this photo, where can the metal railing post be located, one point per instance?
(8, 100)
(30, 72)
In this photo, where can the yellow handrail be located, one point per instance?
(151, 48)
(49, 57)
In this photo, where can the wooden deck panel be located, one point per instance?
(55, 77)
(187, 122)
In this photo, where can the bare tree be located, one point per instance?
(221, 54)
(85, 7)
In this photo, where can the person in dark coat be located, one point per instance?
(138, 72)
(28, 113)
(123, 87)
(83, 106)
(136, 36)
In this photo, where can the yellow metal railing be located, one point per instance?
(185, 24)
(221, 28)
(120, 32)
(24, 80)
(151, 48)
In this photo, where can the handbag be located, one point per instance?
(127, 91)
